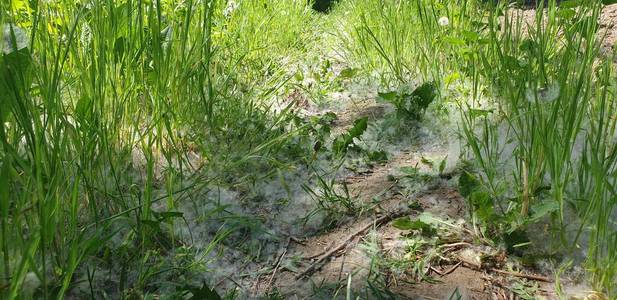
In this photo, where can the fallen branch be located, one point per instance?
(521, 275)
(475, 267)
(432, 269)
(455, 245)
(313, 267)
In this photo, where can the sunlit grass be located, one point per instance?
(113, 114)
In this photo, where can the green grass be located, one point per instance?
(550, 96)
(103, 108)
(118, 113)
(535, 102)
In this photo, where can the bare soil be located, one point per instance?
(380, 186)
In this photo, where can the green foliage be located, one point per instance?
(203, 292)
(411, 106)
(547, 84)
(407, 224)
(115, 114)
(341, 144)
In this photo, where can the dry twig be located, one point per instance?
(346, 241)
(473, 266)
(278, 264)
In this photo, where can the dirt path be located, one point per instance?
(368, 247)
(352, 258)
(319, 266)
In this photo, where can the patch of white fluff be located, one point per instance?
(30, 284)
(13, 38)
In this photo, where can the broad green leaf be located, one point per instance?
(467, 183)
(425, 94)
(454, 41)
(388, 97)
(340, 143)
(452, 78)
(429, 218)
(511, 62)
(348, 73)
(409, 171)
(378, 156)
(442, 165)
(204, 292)
(328, 118)
(566, 13)
(359, 126)
(543, 208)
(470, 36)
(479, 112)
(483, 205)
(405, 223)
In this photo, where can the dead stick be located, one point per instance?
(454, 245)
(428, 272)
(297, 240)
(515, 274)
(278, 264)
(452, 269)
(521, 275)
(342, 245)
